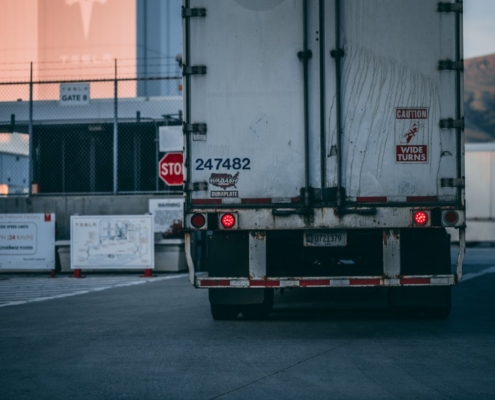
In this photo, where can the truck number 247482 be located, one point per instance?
(227, 163)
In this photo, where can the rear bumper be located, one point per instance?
(361, 281)
(327, 218)
(389, 279)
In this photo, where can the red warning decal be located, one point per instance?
(411, 135)
(411, 153)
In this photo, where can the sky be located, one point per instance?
(479, 28)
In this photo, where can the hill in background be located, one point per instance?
(479, 98)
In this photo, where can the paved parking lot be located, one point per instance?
(157, 340)
(20, 289)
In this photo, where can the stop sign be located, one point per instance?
(170, 169)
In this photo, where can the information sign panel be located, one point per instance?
(167, 214)
(27, 241)
(112, 242)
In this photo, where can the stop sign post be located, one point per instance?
(170, 169)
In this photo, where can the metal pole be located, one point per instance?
(115, 131)
(145, 70)
(157, 155)
(168, 46)
(63, 164)
(30, 131)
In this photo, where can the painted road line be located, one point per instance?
(23, 290)
(467, 277)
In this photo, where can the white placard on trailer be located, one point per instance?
(112, 242)
(167, 214)
(27, 241)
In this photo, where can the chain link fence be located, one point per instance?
(90, 137)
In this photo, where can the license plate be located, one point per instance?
(325, 238)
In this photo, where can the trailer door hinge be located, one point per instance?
(193, 70)
(193, 12)
(451, 123)
(339, 53)
(451, 65)
(452, 182)
(195, 186)
(304, 55)
(198, 131)
(449, 7)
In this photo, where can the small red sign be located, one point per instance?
(48, 217)
(412, 153)
(170, 169)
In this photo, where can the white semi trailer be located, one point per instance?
(323, 148)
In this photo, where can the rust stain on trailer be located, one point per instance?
(395, 233)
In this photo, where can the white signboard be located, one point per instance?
(171, 138)
(27, 241)
(167, 214)
(112, 242)
(74, 94)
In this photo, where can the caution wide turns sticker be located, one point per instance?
(411, 135)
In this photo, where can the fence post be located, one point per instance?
(115, 132)
(30, 132)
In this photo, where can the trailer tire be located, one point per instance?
(442, 312)
(259, 311)
(406, 302)
(224, 312)
(439, 313)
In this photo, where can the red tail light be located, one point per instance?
(420, 218)
(198, 220)
(227, 220)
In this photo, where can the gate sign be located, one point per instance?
(170, 169)
(74, 94)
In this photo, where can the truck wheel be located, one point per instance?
(224, 312)
(432, 302)
(406, 312)
(442, 312)
(259, 311)
(439, 312)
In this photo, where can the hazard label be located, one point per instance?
(411, 153)
(411, 135)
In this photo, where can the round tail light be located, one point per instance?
(227, 220)
(198, 220)
(420, 218)
(451, 217)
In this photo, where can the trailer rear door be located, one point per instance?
(377, 113)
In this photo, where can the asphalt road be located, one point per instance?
(158, 341)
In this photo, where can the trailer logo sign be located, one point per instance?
(224, 181)
(411, 135)
(222, 194)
